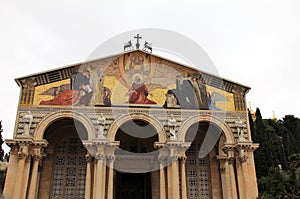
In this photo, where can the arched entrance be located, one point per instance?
(202, 173)
(63, 172)
(135, 160)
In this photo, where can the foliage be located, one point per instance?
(277, 160)
(2, 172)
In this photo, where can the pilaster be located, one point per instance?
(245, 170)
(37, 151)
(19, 188)
(11, 173)
(183, 177)
(88, 180)
(110, 161)
(227, 167)
(162, 177)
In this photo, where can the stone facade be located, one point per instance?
(167, 168)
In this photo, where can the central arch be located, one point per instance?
(137, 116)
(135, 159)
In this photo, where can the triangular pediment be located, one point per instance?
(136, 78)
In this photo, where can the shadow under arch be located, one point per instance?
(210, 119)
(79, 121)
(158, 126)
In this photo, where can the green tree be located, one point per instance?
(293, 180)
(263, 155)
(293, 125)
(273, 184)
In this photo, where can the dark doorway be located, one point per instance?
(133, 186)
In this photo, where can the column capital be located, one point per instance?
(110, 158)
(173, 158)
(222, 169)
(230, 160)
(88, 158)
(99, 156)
(22, 156)
(162, 159)
(242, 156)
(183, 158)
(38, 157)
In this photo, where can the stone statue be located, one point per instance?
(240, 125)
(27, 122)
(172, 127)
(128, 45)
(101, 122)
(147, 47)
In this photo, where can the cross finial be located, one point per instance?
(137, 37)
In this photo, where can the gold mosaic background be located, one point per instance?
(40, 89)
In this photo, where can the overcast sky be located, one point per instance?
(255, 43)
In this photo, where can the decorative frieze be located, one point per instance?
(103, 117)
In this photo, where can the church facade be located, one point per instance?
(133, 125)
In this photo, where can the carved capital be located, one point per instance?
(37, 157)
(183, 159)
(110, 158)
(173, 158)
(14, 150)
(162, 159)
(88, 158)
(99, 156)
(222, 169)
(22, 156)
(230, 159)
(243, 158)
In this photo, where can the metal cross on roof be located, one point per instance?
(137, 37)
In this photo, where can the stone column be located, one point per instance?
(110, 186)
(35, 177)
(245, 175)
(183, 178)
(99, 175)
(162, 179)
(18, 190)
(170, 184)
(175, 178)
(232, 181)
(252, 175)
(226, 192)
(88, 180)
(95, 179)
(11, 176)
(104, 178)
(25, 183)
(240, 179)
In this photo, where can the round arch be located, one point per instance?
(206, 118)
(137, 116)
(51, 118)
